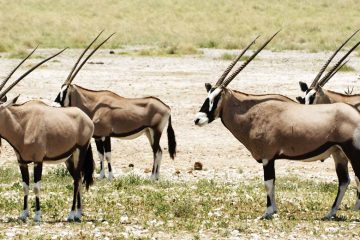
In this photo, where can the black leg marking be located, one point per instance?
(269, 180)
(100, 146)
(26, 182)
(37, 179)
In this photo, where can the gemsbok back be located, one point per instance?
(273, 127)
(43, 134)
(120, 117)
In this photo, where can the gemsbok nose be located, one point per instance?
(197, 121)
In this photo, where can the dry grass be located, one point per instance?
(306, 25)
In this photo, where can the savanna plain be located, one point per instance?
(169, 49)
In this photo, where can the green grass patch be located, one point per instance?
(177, 207)
(310, 25)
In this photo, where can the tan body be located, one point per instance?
(126, 118)
(117, 116)
(39, 132)
(324, 96)
(273, 129)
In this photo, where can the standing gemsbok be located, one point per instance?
(120, 117)
(271, 127)
(317, 95)
(43, 134)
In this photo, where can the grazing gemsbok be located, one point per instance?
(43, 134)
(120, 117)
(273, 127)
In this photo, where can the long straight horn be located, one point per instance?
(77, 62)
(332, 74)
(87, 58)
(228, 69)
(325, 78)
(329, 60)
(12, 72)
(26, 73)
(235, 73)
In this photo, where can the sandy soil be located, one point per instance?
(179, 82)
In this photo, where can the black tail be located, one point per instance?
(171, 140)
(88, 168)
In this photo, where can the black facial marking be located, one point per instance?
(205, 107)
(58, 98)
(301, 100)
(311, 99)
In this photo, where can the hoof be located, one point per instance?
(102, 175)
(154, 178)
(71, 216)
(37, 217)
(24, 215)
(267, 216)
(78, 215)
(111, 176)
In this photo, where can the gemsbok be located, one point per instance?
(43, 134)
(120, 117)
(316, 94)
(273, 127)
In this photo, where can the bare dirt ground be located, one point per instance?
(179, 82)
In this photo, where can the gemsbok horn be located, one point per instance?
(43, 134)
(120, 117)
(273, 127)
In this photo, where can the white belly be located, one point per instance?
(136, 135)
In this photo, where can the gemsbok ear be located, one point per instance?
(4, 99)
(304, 87)
(208, 86)
(10, 102)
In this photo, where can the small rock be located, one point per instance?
(131, 165)
(198, 166)
(147, 170)
(112, 52)
(177, 172)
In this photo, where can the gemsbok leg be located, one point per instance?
(25, 183)
(100, 143)
(107, 150)
(154, 138)
(37, 179)
(341, 166)
(80, 164)
(269, 180)
(353, 154)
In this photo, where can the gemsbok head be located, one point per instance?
(316, 94)
(272, 127)
(120, 117)
(43, 134)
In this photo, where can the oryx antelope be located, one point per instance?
(120, 117)
(43, 134)
(316, 94)
(273, 127)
